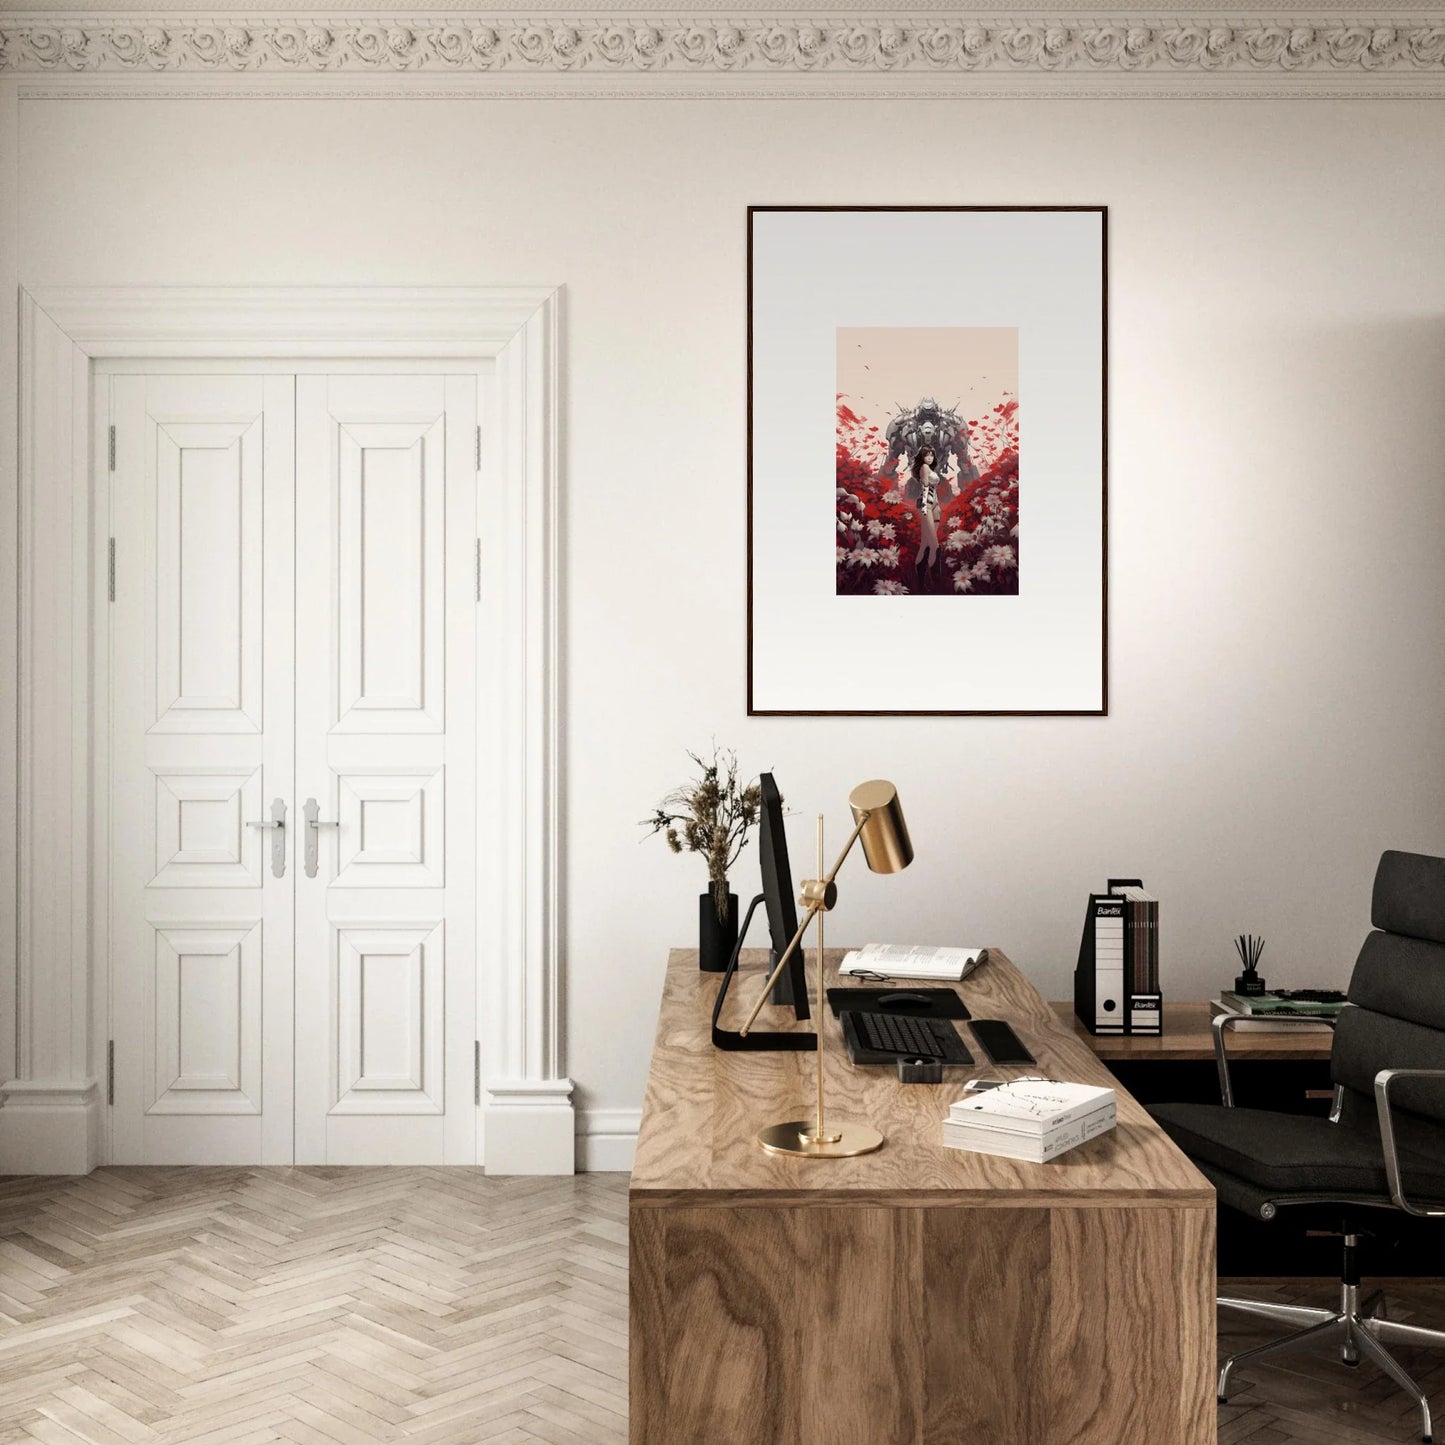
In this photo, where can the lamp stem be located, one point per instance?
(822, 1011)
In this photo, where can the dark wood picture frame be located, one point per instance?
(1103, 709)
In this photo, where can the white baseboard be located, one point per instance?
(530, 1127)
(607, 1139)
(49, 1127)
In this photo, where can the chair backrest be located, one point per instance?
(1398, 993)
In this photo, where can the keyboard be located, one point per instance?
(892, 1036)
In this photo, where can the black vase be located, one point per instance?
(716, 938)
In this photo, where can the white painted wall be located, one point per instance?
(1277, 486)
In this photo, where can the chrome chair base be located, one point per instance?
(1359, 1328)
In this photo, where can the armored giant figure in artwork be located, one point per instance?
(929, 425)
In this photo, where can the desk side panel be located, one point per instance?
(843, 1325)
(1132, 1326)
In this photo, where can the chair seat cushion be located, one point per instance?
(1294, 1153)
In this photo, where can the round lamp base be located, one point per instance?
(844, 1141)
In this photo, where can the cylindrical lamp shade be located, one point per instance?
(884, 837)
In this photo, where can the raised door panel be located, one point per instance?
(391, 998)
(201, 673)
(389, 601)
(208, 559)
(392, 827)
(204, 1046)
(202, 833)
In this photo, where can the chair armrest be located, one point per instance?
(1222, 1023)
(1383, 1080)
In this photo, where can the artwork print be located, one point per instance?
(927, 461)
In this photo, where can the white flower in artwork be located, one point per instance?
(887, 556)
(863, 557)
(842, 555)
(846, 498)
(842, 524)
(958, 541)
(1014, 530)
(889, 532)
(875, 528)
(962, 582)
(979, 570)
(893, 498)
(887, 587)
(1002, 557)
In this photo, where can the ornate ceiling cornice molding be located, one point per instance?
(927, 49)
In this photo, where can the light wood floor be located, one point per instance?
(341, 1306)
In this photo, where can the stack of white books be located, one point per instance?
(905, 960)
(1033, 1119)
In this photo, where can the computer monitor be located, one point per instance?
(791, 987)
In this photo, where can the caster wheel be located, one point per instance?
(1353, 1364)
(1221, 1399)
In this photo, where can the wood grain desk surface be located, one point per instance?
(1187, 1036)
(704, 1107)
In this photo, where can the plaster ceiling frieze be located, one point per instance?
(923, 46)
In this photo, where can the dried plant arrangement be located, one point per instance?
(711, 815)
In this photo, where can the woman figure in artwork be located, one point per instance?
(923, 488)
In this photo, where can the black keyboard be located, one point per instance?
(899, 1036)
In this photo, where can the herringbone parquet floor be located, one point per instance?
(343, 1306)
(236, 1306)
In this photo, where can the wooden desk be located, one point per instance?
(1188, 1037)
(919, 1295)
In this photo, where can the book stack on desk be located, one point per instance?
(1033, 1119)
(1274, 1013)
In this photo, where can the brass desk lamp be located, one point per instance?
(878, 823)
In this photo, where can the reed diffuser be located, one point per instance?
(1249, 948)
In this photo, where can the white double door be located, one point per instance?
(292, 643)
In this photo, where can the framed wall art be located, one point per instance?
(927, 460)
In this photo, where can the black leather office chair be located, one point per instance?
(1381, 1151)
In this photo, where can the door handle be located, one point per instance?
(276, 821)
(314, 824)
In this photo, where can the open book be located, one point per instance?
(903, 960)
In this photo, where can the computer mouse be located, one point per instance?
(904, 999)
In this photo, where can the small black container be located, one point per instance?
(715, 939)
(1247, 985)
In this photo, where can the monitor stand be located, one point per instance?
(756, 1040)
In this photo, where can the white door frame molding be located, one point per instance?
(50, 1121)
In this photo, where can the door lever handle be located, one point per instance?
(314, 824)
(276, 821)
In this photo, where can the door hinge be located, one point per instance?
(477, 1072)
(479, 569)
(479, 448)
(110, 569)
(111, 446)
(110, 1071)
